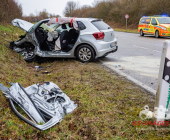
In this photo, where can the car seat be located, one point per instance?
(64, 38)
(41, 37)
(72, 35)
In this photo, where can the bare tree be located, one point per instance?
(70, 6)
(44, 14)
(9, 9)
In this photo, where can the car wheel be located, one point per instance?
(85, 53)
(29, 54)
(157, 34)
(141, 33)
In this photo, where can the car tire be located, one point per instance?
(141, 33)
(29, 54)
(85, 53)
(157, 34)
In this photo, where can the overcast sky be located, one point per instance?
(52, 6)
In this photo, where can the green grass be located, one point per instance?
(128, 30)
(107, 103)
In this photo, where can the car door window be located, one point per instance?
(81, 25)
(60, 30)
(154, 21)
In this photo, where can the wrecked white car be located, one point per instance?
(45, 104)
(81, 38)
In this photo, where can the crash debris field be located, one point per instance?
(107, 104)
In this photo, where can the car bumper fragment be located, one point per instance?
(110, 51)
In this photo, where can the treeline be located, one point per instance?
(9, 9)
(39, 16)
(114, 10)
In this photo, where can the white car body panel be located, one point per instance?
(22, 24)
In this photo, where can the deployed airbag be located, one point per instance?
(63, 21)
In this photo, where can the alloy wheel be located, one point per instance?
(85, 54)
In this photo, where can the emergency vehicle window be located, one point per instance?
(164, 20)
(147, 21)
(142, 20)
(154, 21)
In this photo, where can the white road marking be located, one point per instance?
(152, 91)
(146, 48)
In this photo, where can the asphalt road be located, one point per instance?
(139, 57)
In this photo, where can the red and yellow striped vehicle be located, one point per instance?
(156, 25)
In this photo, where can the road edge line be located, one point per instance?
(136, 82)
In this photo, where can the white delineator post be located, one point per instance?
(163, 90)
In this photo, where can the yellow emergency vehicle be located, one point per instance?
(156, 25)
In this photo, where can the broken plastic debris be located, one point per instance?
(46, 72)
(117, 65)
(146, 113)
(39, 68)
(36, 67)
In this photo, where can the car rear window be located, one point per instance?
(100, 25)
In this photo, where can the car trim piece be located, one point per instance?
(32, 102)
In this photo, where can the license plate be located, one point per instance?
(112, 45)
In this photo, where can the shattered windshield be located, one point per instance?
(164, 20)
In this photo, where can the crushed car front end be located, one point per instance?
(28, 44)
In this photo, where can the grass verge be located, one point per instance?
(117, 27)
(128, 30)
(108, 104)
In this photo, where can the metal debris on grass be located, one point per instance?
(45, 103)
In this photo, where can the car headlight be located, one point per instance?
(163, 28)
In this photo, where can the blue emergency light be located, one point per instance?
(163, 15)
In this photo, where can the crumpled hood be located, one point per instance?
(22, 24)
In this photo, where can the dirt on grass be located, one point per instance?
(108, 104)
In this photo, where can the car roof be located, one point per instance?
(79, 19)
(154, 17)
(86, 19)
